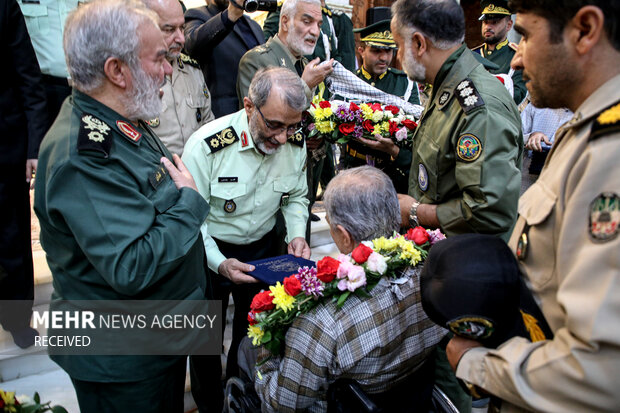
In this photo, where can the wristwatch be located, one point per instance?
(413, 215)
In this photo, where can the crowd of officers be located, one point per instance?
(142, 193)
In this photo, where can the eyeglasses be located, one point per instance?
(290, 130)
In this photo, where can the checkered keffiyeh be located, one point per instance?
(344, 83)
(377, 341)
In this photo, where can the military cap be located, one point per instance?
(494, 9)
(471, 285)
(377, 35)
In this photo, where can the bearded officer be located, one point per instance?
(186, 101)
(118, 220)
(248, 166)
(496, 23)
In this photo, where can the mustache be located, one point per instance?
(311, 37)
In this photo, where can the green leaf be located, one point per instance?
(342, 299)
(36, 398)
(343, 140)
(59, 409)
(266, 337)
(30, 408)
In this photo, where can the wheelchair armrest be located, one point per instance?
(346, 395)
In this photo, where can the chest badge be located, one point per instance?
(444, 98)
(153, 123)
(604, 217)
(468, 147)
(230, 206)
(522, 247)
(422, 177)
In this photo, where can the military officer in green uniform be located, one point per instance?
(248, 166)
(118, 220)
(337, 40)
(377, 51)
(496, 23)
(186, 103)
(467, 150)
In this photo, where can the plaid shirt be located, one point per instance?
(377, 341)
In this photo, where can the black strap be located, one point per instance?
(299, 66)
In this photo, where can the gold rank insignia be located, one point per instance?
(297, 139)
(153, 123)
(606, 123)
(93, 135)
(222, 139)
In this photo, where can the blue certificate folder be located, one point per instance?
(272, 270)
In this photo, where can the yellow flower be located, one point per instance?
(8, 398)
(281, 298)
(384, 244)
(409, 252)
(256, 334)
(377, 116)
(366, 111)
(325, 126)
(322, 114)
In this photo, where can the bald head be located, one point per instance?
(171, 23)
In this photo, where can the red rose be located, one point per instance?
(411, 125)
(376, 107)
(368, 126)
(417, 235)
(393, 127)
(361, 253)
(392, 109)
(292, 285)
(353, 107)
(326, 269)
(325, 104)
(262, 301)
(346, 128)
(252, 318)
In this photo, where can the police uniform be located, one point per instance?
(336, 40)
(504, 51)
(467, 150)
(245, 190)
(186, 105)
(107, 209)
(272, 53)
(566, 239)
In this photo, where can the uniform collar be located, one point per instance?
(497, 46)
(275, 40)
(597, 101)
(368, 76)
(454, 70)
(240, 120)
(113, 119)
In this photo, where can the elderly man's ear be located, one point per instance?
(342, 238)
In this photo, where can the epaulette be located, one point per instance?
(326, 11)
(513, 46)
(297, 139)
(261, 49)
(183, 58)
(94, 135)
(222, 139)
(468, 96)
(607, 122)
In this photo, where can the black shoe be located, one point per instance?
(24, 338)
(314, 217)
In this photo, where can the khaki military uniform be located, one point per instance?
(186, 105)
(569, 218)
(272, 53)
(467, 150)
(502, 56)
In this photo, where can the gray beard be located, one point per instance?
(143, 101)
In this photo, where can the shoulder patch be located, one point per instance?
(186, 59)
(94, 135)
(222, 139)
(513, 46)
(468, 147)
(607, 122)
(297, 139)
(604, 219)
(468, 96)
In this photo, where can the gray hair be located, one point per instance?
(363, 200)
(441, 21)
(289, 84)
(98, 31)
(289, 9)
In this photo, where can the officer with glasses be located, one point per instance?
(248, 166)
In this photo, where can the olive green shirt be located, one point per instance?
(467, 150)
(113, 224)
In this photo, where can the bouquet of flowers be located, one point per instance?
(10, 403)
(272, 312)
(339, 122)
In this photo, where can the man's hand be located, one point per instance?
(181, 176)
(457, 346)
(534, 142)
(405, 202)
(382, 144)
(31, 169)
(315, 72)
(235, 13)
(299, 248)
(314, 143)
(235, 271)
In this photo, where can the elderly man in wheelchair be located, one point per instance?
(375, 352)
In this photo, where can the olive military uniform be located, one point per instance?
(186, 105)
(336, 34)
(467, 150)
(502, 56)
(114, 226)
(566, 240)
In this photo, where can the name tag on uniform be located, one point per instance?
(156, 178)
(228, 179)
